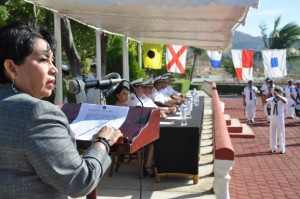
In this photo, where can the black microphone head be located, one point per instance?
(76, 86)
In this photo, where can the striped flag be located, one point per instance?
(215, 58)
(176, 58)
(152, 56)
(243, 64)
(274, 62)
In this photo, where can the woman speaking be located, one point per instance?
(38, 155)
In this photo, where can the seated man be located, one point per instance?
(167, 89)
(147, 102)
(159, 98)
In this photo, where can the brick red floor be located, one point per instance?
(256, 172)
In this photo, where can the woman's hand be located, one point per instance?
(111, 134)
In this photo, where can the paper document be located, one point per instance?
(93, 117)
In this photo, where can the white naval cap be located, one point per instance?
(157, 79)
(137, 81)
(148, 83)
(167, 74)
(297, 81)
(164, 78)
(290, 80)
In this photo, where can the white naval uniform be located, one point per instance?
(296, 94)
(159, 96)
(170, 91)
(277, 126)
(147, 102)
(289, 107)
(91, 91)
(266, 92)
(250, 103)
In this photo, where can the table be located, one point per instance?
(176, 152)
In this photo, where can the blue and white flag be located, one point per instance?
(274, 63)
(215, 58)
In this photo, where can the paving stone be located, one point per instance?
(254, 166)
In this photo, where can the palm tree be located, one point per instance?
(197, 53)
(287, 37)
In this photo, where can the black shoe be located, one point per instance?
(272, 151)
(148, 171)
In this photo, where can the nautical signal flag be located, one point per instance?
(152, 56)
(215, 58)
(243, 64)
(176, 58)
(274, 62)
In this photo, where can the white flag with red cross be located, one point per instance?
(176, 58)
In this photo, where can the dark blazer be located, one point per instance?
(38, 155)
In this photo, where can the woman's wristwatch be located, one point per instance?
(104, 141)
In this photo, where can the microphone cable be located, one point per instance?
(143, 148)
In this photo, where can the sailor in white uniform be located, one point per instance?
(249, 99)
(167, 88)
(138, 87)
(277, 126)
(296, 98)
(267, 93)
(290, 105)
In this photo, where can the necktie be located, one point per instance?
(250, 89)
(275, 110)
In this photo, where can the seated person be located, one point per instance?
(167, 89)
(159, 98)
(122, 95)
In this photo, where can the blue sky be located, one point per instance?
(267, 11)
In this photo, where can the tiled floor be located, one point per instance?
(256, 172)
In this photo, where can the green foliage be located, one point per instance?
(228, 65)
(115, 58)
(4, 15)
(181, 85)
(232, 89)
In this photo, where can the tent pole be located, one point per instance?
(140, 54)
(58, 59)
(125, 58)
(98, 52)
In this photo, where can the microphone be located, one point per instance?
(76, 86)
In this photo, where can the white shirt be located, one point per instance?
(158, 96)
(288, 90)
(147, 102)
(267, 90)
(170, 91)
(90, 92)
(296, 91)
(280, 106)
(247, 91)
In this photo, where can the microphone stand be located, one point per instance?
(102, 98)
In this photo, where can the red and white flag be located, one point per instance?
(176, 58)
(243, 64)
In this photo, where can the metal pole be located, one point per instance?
(125, 58)
(140, 54)
(58, 59)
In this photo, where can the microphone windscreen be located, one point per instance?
(76, 86)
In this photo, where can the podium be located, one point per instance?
(141, 127)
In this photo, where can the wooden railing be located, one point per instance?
(223, 149)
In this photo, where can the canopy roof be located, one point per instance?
(207, 24)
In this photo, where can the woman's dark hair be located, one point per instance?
(120, 87)
(16, 43)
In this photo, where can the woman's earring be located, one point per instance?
(12, 86)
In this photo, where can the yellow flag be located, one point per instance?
(152, 55)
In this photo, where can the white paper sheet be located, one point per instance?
(167, 123)
(93, 117)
